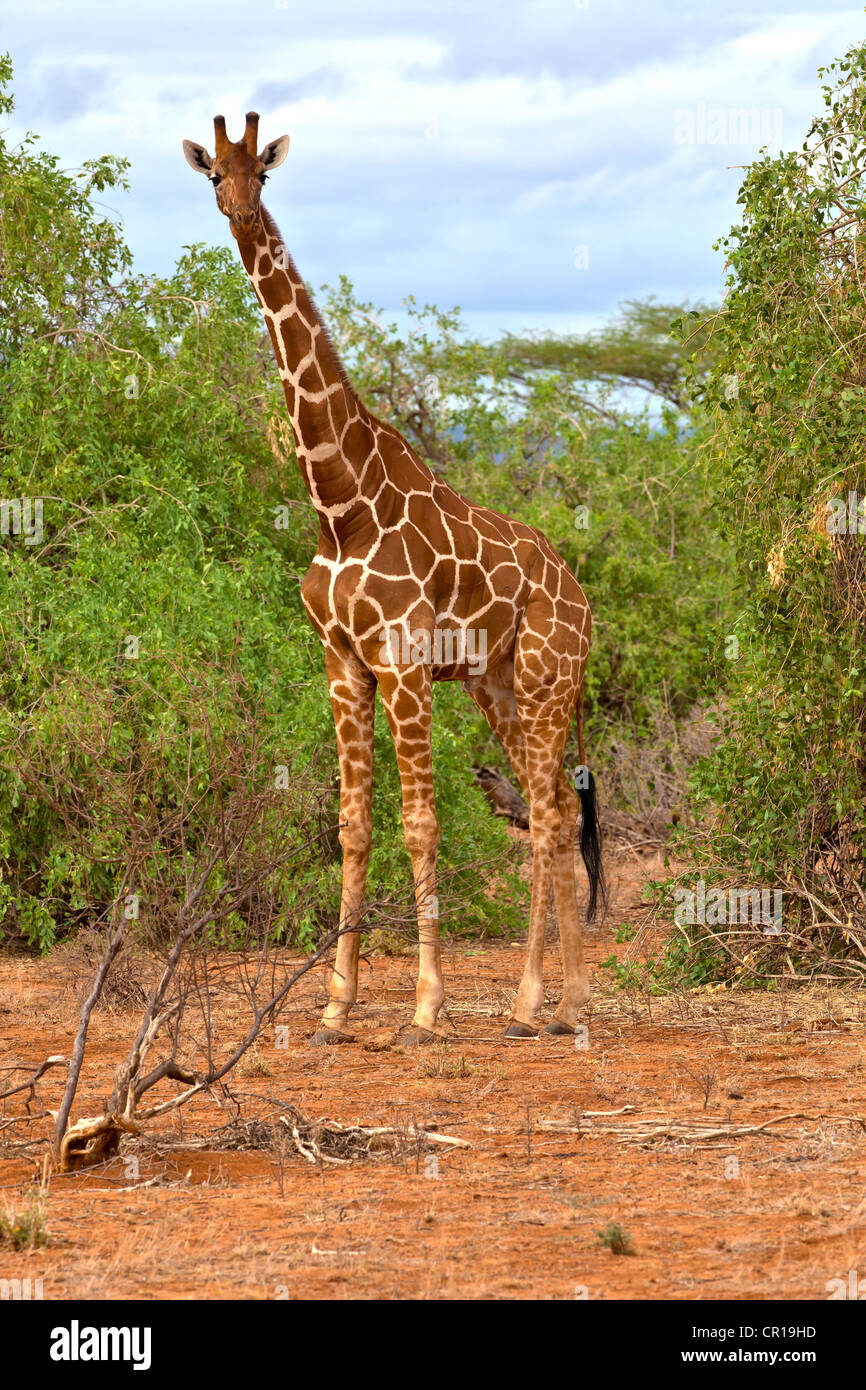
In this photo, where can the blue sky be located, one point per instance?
(534, 161)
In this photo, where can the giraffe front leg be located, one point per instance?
(353, 694)
(406, 694)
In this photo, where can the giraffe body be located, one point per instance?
(412, 584)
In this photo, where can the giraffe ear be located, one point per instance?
(273, 154)
(197, 157)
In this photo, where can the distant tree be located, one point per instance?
(635, 349)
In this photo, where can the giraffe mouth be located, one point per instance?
(244, 222)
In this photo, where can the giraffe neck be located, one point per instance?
(326, 414)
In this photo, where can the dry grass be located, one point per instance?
(439, 1061)
(130, 979)
(646, 781)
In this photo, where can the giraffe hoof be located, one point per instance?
(516, 1029)
(417, 1037)
(559, 1029)
(327, 1037)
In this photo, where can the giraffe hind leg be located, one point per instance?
(494, 696)
(575, 978)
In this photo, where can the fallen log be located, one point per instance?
(503, 797)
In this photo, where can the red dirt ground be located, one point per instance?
(517, 1213)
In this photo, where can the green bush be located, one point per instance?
(783, 795)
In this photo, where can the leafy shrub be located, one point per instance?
(785, 790)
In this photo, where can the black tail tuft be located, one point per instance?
(590, 847)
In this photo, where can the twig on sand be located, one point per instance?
(646, 1131)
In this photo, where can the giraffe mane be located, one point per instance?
(273, 230)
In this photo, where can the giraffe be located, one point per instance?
(412, 584)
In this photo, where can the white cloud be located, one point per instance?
(455, 152)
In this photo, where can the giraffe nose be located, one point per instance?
(244, 220)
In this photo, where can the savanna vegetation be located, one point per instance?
(782, 801)
(684, 461)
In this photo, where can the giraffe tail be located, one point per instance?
(590, 830)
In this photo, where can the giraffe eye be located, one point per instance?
(263, 178)
(216, 180)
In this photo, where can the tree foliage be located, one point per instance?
(786, 402)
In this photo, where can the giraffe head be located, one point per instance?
(237, 172)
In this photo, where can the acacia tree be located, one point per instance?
(634, 349)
